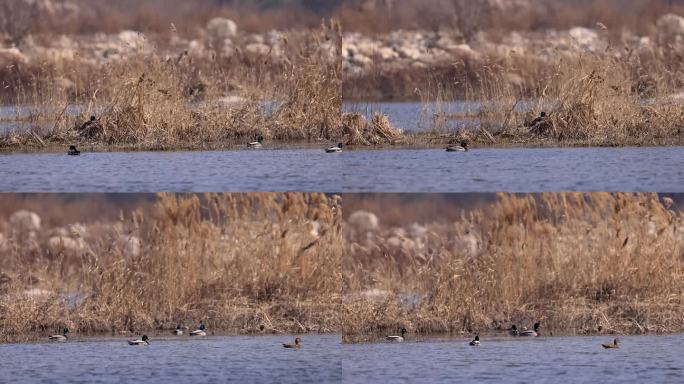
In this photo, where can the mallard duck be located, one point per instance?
(62, 337)
(73, 151)
(462, 147)
(397, 339)
(614, 345)
(538, 120)
(513, 331)
(476, 341)
(257, 144)
(178, 331)
(297, 344)
(200, 331)
(532, 333)
(336, 149)
(143, 341)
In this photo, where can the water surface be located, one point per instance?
(652, 169)
(181, 360)
(640, 359)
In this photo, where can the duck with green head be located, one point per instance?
(476, 341)
(395, 338)
(462, 147)
(62, 337)
(201, 331)
(142, 341)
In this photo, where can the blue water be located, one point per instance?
(180, 360)
(640, 359)
(649, 169)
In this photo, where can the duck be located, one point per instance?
(531, 333)
(62, 337)
(397, 339)
(538, 120)
(611, 346)
(178, 331)
(73, 151)
(461, 147)
(336, 149)
(513, 331)
(200, 331)
(142, 341)
(88, 123)
(476, 341)
(297, 344)
(257, 144)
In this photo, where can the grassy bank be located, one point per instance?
(580, 263)
(150, 101)
(245, 263)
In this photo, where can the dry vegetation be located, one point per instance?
(624, 88)
(164, 97)
(580, 263)
(244, 263)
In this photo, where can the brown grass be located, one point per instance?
(580, 263)
(150, 102)
(244, 263)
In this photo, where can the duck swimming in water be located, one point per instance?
(476, 341)
(611, 346)
(462, 147)
(397, 339)
(531, 333)
(143, 341)
(62, 337)
(73, 151)
(513, 331)
(336, 149)
(200, 331)
(297, 344)
(257, 144)
(178, 331)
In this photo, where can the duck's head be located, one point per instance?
(403, 331)
(145, 338)
(201, 326)
(298, 341)
(178, 326)
(93, 118)
(477, 337)
(72, 147)
(260, 139)
(514, 327)
(65, 331)
(616, 341)
(340, 145)
(536, 326)
(464, 144)
(543, 114)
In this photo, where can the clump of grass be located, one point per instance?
(359, 131)
(243, 263)
(581, 263)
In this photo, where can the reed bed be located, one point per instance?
(242, 263)
(580, 263)
(149, 101)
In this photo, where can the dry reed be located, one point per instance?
(580, 263)
(243, 263)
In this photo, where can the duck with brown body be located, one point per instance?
(611, 346)
(297, 344)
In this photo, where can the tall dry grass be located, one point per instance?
(244, 263)
(153, 102)
(580, 263)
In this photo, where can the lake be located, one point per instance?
(644, 169)
(322, 359)
(640, 359)
(175, 360)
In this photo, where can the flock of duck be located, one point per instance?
(513, 331)
(259, 143)
(145, 340)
